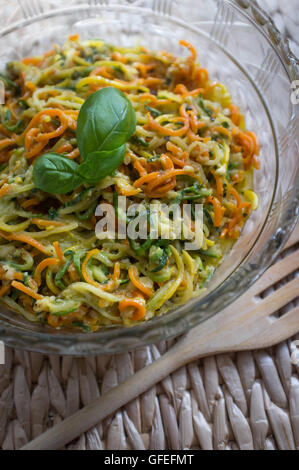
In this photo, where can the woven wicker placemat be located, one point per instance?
(248, 400)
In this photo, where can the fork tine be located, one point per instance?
(278, 330)
(277, 272)
(277, 299)
(269, 332)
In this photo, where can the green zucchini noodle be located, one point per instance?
(191, 146)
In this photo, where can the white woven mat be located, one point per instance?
(248, 400)
(240, 401)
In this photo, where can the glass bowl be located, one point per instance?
(240, 46)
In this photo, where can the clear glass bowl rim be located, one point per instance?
(123, 339)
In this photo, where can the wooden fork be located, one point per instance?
(249, 323)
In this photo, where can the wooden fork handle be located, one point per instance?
(80, 422)
(196, 344)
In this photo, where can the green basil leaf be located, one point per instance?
(100, 164)
(56, 174)
(106, 121)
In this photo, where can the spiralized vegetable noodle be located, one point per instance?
(190, 146)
